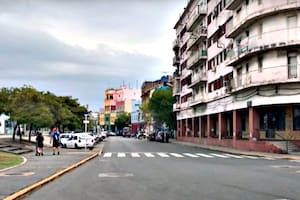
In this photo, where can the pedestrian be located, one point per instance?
(55, 138)
(40, 144)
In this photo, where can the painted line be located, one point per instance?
(149, 155)
(297, 161)
(107, 155)
(177, 155)
(163, 155)
(219, 155)
(251, 157)
(135, 155)
(121, 155)
(204, 155)
(190, 155)
(48, 179)
(233, 156)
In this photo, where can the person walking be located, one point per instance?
(55, 138)
(40, 144)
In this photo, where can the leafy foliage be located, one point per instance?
(161, 107)
(122, 120)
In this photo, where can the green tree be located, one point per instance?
(122, 120)
(161, 107)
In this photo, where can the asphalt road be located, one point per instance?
(138, 169)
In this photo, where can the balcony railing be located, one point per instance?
(232, 4)
(198, 78)
(268, 75)
(176, 44)
(270, 40)
(197, 100)
(198, 12)
(253, 13)
(176, 61)
(197, 36)
(176, 107)
(196, 58)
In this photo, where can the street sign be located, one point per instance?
(86, 121)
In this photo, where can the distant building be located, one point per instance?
(117, 101)
(136, 117)
(5, 125)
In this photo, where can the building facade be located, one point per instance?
(136, 117)
(245, 95)
(117, 101)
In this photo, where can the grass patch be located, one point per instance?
(9, 160)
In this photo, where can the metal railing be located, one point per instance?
(195, 57)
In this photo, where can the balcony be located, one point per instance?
(197, 58)
(176, 107)
(197, 37)
(252, 14)
(196, 16)
(109, 102)
(254, 45)
(268, 76)
(176, 61)
(176, 45)
(197, 100)
(233, 4)
(198, 79)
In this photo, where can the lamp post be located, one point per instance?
(85, 121)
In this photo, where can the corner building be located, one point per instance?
(245, 91)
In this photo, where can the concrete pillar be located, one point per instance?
(209, 126)
(186, 127)
(200, 128)
(237, 126)
(253, 124)
(193, 127)
(221, 125)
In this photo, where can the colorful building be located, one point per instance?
(136, 117)
(237, 69)
(117, 101)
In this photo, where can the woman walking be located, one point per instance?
(40, 143)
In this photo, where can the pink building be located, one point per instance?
(245, 91)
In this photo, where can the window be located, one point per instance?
(272, 118)
(292, 65)
(296, 118)
(247, 67)
(260, 63)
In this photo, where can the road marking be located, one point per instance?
(177, 155)
(298, 161)
(267, 158)
(219, 155)
(163, 155)
(114, 175)
(106, 155)
(121, 155)
(204, 155)
(233, 156)
(190, 155)
(135, 155)
(16, 173)
(251, 157)
(149, 155)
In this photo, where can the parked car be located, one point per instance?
(80, 141)
(64, 137)
(151, 136)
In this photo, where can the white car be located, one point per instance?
(64, 137)
(80, 141)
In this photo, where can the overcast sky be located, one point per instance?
(79, 48)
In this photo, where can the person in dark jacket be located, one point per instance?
(40, 143)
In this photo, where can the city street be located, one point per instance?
(138, 169)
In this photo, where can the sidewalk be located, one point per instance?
(241, 152)
(38, 170)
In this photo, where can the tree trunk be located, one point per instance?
(30, 129)
(19, 132)
(14, 133)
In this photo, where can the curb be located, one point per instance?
(24, 161)
(31, 188)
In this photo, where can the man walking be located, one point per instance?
(55, 141)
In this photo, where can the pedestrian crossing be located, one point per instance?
(174, 155)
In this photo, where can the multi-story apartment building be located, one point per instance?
(249, 98)
(117, 101)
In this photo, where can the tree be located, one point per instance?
(123, 120)
(161, 107)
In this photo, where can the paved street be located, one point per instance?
(138, 169)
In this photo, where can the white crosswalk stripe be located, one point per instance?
(204, 155)
(177, 155)
(251, 157)
(121, 155)
(190, 155)
(219, 155)
(149, 155)
(164, 155)
(106, 155)
(135, 155)
(232, 156)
